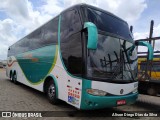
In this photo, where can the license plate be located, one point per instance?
(121, 102)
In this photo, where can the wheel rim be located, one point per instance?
(51, 91)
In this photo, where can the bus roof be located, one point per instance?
(77, 6)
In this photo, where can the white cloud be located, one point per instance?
(6, 36)
(129, 11)
(157, 34)
(142, 35)
(3, 52)
(23, 18)
(156, 30)
(18, 9)
(52, 7)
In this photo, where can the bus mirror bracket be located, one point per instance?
(92, 35)
(150, 49)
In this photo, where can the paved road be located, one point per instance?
(22, 98)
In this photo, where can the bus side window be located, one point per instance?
(75, 54)
(70, 43)
(70, 24)
(50, 32)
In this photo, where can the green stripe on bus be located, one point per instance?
(37, 64)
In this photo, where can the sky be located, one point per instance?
(20, 17)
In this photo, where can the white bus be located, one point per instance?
(85, 56)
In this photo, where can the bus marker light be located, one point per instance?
(77, 88)
(68, 86)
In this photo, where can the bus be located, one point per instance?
(84, 56)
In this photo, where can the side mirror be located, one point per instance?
(92, 35)
(150, 49)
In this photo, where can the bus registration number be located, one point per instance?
(121, 102)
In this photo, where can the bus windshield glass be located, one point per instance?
(109, 23)
(113, 59)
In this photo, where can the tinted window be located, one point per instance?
(108, 23)
(75, 54)
(45, 35)
(33, 40)
(71, 47)
(109, 60)
(72, 54)
(50, 33)
(70, 24)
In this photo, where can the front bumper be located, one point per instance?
(90, 102)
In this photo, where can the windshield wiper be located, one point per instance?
(118, 71)
(125, 51)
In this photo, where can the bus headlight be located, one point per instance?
(96, 92)
(135, 90)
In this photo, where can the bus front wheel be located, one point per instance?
(51, 92)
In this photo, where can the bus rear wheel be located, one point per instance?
(10, 76)
(14, 78)
(51, 92)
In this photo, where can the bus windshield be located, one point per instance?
(109, 23)
(112, 59)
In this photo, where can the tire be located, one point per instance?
(14, 78)
(51, 92)
(11, 77)
(152, 91)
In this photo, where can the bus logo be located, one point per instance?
(6, 114)
(121, 91)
